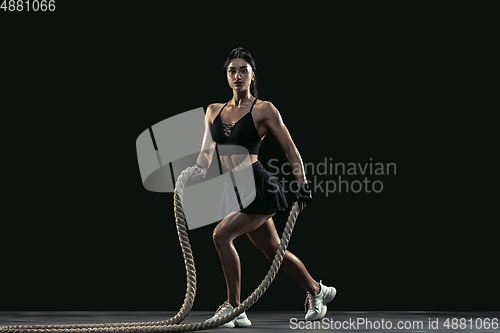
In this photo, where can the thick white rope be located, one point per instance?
(172, 324)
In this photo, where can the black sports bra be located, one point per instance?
(241, 133)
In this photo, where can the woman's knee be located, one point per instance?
(220, 237)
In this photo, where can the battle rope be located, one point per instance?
(171, 325)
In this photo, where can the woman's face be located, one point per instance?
(239, 74)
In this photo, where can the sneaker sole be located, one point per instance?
(243, 325)
(228, 325)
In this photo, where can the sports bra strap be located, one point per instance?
(218, 114)
(255, 100)
(222, 108)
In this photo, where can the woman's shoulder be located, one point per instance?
(214, 108)
(262, 103)
(266, 109)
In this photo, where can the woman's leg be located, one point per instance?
(225, 232)
(267, 240)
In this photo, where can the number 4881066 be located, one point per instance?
(28, 5)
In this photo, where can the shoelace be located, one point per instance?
(221, 308)
(311, 300)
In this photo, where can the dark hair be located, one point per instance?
(240, 52)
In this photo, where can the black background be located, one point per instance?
(80, 84)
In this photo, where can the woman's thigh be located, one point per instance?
(265, 237)
(236, 224)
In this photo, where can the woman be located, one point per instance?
(245, 121)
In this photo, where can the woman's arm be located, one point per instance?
(207, 146)
(275, 125)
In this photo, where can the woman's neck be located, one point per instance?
(242, 98)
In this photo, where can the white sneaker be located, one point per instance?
(317, 304)
(240, 321)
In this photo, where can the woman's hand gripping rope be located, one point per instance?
(304, 196)
(200, 172)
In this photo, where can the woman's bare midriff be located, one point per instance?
(237, 162)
